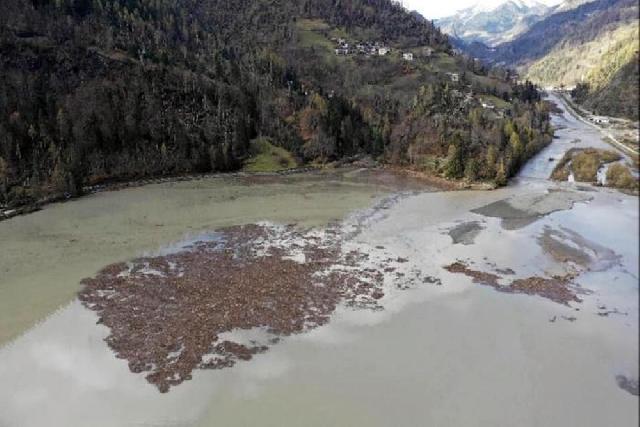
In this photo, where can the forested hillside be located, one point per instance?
(584, 23)
(100, 90)
(594, 44)
(618, 95)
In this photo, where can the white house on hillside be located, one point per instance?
(455, 77)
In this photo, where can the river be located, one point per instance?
(455, 354)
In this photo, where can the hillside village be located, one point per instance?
(374, 48)
(464, 93)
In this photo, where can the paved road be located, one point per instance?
(611, 139)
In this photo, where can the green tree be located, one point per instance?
(517, 148)
(454, 167)
(490, 162)
(3, 178)
(501, 173)
(509, 128)
(472, 169)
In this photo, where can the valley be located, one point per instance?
(588, 47)
(390, 364)
(622, 133)
(319, 213)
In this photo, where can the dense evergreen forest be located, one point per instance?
(99, 90)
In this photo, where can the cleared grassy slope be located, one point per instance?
(266, 157)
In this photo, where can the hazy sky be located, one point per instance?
(438, 8)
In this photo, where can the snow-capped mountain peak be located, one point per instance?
(493, 22)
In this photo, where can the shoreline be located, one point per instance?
(116, 185)
(184, 282)
(439, 183)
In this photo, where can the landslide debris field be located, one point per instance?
(176, 312)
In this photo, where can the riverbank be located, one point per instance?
(560, 347)
(527, 341)
(428, 179)
(625, 129)
(120, 185)
(74, 240)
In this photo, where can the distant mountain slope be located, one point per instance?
(568, 5)
(593, 60)
(620, 95)
(594, 44)
(493, 25)
(573, 27)
(612, 86)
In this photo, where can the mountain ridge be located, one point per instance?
(493, 24)
(578, 43)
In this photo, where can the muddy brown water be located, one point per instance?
(449, 353)
(45, 255)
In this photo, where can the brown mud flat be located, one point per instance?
(480, 277)
(442, 183)
(570, 248)
(518, 212)
(557, 288)
(465, 233)
(167, 314)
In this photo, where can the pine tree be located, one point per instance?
(501, 174)
(3, 179)
(472, 169)
(490, 162)
(455, 162)
(517, 149)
